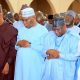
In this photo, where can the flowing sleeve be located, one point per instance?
(12, 42)
(49, 42)
(74, 53)
(46, 43)
(38, 45)
(19, 37)
(12, 51)
(16, 46)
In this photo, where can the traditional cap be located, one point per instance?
(58, 22)
(27, 12)
(50, 16)
(71, 13)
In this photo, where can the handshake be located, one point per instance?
(52, 53)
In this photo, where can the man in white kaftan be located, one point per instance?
(30, 59)
(78, 77)
(74, 30)
(18, 22)
(61, 52)
(69, 18)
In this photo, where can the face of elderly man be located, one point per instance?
(28, 17)
(29, 22)
(69, 18)
(59, 31)
(26, 21)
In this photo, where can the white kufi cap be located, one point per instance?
(71, 13)
(27, 12)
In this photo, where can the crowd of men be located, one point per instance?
(34, 46)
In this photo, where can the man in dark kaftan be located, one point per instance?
(8, 36)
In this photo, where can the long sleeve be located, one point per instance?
(19, 37)
(7, 44)
(17, 47)
(38, 45)
(49, 42)
(12, 51)
(73, 55)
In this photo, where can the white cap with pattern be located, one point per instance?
(71, 13)
(27, 12)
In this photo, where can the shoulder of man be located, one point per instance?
(73, 36)
(11, 29)
(43, 28)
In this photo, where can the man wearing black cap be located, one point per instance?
(48, 25)
(61, 53)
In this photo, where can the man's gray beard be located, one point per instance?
(69, 24)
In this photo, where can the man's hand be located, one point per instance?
(23, 43)
(52, 54)
(5, 70)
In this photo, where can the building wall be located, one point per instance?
(16, 4)
(75, 6)
(57, 6)
(61, 5)
(4, 3)
(42, 5)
